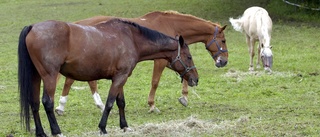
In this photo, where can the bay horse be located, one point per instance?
(257, 26)
(108, 50)
(192, 28)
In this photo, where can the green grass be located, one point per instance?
(285, 103)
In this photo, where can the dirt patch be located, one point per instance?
(2, 87)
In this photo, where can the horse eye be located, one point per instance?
(223, 41)
(189, 57)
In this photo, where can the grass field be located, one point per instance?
(228, 101)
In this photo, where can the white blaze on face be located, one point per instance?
(218, 59)
(266, 52)
(267, 59)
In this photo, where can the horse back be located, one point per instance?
(256, 22)
(151, 20)
(94, 20)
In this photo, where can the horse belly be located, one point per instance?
(84, 72)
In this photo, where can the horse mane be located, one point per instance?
(150, 34)
(176, 13)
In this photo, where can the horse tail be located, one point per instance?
(237, 24)
(26, 70)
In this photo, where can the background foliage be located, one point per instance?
(285, 103)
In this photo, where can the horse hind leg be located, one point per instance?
(64, 96)
(96, 97)
(35, 105)
(48, 103)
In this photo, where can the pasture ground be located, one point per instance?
(229, 101)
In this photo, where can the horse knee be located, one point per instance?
(109, 106)
(155, 83)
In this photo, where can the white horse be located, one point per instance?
(257, 25)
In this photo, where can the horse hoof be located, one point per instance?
(126, 129)
(59, 112)
(183, 101)
(103, 132)
(155, 109)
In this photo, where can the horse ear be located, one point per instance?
(181, 41)
(224, 27)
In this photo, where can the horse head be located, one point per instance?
(266, 57)
(217, 47)
(183, 64)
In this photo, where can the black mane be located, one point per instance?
(150, 34)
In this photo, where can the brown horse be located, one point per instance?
(192, 28)
(108, 50)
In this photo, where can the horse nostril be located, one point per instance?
(225, 63)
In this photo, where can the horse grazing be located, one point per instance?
(109, 50)
(170, 23)
(257, 26)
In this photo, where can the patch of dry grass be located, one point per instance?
(190, 126)
(240, 75)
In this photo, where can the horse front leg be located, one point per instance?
(250, 42)
(158, 67)
(114, 93)
(96, 97)
(121, 105)
(184, 98)
(109, 104)
(259, 55)
(64, 96)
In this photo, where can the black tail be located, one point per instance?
(25, 72)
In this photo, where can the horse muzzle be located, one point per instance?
(221, 62)
(193, 81)
(267, 63)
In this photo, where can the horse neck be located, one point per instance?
(191, 28)
(266, 41)
(153, 51)
(266, 32)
